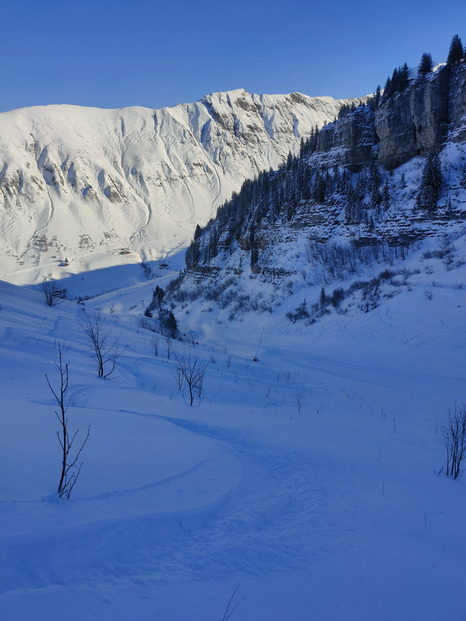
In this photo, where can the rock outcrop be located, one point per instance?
(353, 134)
(403, 126)
(415, 121)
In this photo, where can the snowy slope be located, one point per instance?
(308, 482)
(268, 248)
(86, 184)
(310, 477)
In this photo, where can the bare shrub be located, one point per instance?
(104, 349)
(454, 440)
(191, 371)
(338, 296)
(300, 312)
(53, 294)
(70, 469)
(147, 323)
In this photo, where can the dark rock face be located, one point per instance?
(408, 124)
(355, 133)
(413, 122)
(457, 104)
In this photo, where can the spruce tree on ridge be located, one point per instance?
(456, 53)
(426, 65)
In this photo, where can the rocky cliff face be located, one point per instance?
(408, 124)
(93, 185)
(457, 104)
(415, 121)
(354, 135)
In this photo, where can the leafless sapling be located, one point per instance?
(70, 469)
(155, 345)
(104, 349)
(299, 399)
(168, 343)
(191, 372)
(232, 605)
(454, 440)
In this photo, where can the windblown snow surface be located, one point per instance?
(312, 477)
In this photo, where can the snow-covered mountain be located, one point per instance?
(92, 186)
(288, 455)
(357, 195)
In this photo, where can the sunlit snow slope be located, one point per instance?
(89, 185)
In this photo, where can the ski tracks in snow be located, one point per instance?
(260, 525)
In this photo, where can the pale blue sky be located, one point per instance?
(152, 53)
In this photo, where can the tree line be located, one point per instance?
(399, 81)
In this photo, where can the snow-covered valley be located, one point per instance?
(262, 421)
(311, 477)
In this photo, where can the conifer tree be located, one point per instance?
(426, 65)
(306, 192)
(322, 298)
(171, 324)
(193, 254)
(302, 148)
(374, 184)
(463, 177)
(395, 81)
(197, 232)
(361, 185)
(431, 183)
(456, 53)
(318, 188)
(351, 209)
(403, 77)
(386, 196)
(387, 91)
(289, 161)
(313, 138)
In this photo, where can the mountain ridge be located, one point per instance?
(76, 181)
